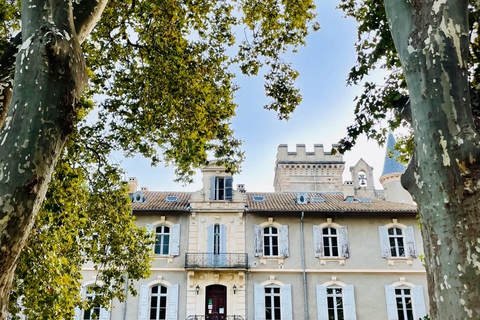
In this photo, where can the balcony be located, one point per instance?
(215, 317)
(221, 260)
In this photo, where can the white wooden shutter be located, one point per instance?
(104, 314)
(419, 302)
(212, 188)
(391, 303)
(143, 302)
(349, 303)
(411, 251)
(175, 240)
(322, 310)
(284, 241)
(343, 242)
(223, 246)
(149, 228)
(317, 242)
(228, 188)
(172, 301)
(286, 296)
(210, 240)
(77, 310)
(258, 240)
(259, 301)
(384, 242)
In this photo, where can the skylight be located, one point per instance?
(171, 199)
(317, 199)
(259, 198)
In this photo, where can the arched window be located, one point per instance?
(397, 241)
(330, 242)
(403, 299)
(162, 240)
(335, 303)
(158, 303)
(270, 241)
(395, 238)
(272, 303)
(94, 311)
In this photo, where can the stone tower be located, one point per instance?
(308, 171)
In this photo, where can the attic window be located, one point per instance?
(349, 199)
(259, 198)
(171, 199)
(364, 200)
(138, 197)
(317, 199)
(302, 198)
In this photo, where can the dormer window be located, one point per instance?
(221, 188)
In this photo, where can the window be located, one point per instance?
(270, 241)
(335, 303)
(330, 242)
(272, 303)
(405, 301)
(404, 304)
(158, 303)
(216, 239)
(162, 240)
(221, 188)
(94, 311)
(395, 237)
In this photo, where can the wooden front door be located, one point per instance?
(216, 302)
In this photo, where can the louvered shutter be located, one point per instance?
(322, 310)
(228, 188)
(143, 302)
(284, 252)
(259, 300)
(210, 244)
(391, 303)
(172, 301)
(212, 188)
(419, 302)
(349, 303)
(343, 242)
(104, 314)
(411, 251)
(384, 242)
(258, 240)
(287, 309)
(77, 310)
(149, 228)
(175, 240)
(223, 245)
(317, 242)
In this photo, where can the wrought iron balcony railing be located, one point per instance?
(214, 317)
(221, 260)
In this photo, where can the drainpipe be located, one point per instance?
(303, 267)
(126, 293)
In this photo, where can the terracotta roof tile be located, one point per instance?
(156, 200)
(333, 203)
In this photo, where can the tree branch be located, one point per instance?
(7, 72)
(86, 13)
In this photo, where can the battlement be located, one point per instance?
(302, 156)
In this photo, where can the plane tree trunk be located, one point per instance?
(432, 39)
(47, 77)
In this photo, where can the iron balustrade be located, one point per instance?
(215, 317)
(221, 260)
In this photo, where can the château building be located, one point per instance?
(317, 248)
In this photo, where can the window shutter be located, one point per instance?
(410, 242)
(349, 303)
(391, 303)
(175, 240)
(343, 242)
(77, 310)
(384, 243)
(419, 302)
(172, 301)
(143, 302)
(212, 188)
(287, 310)
(149, 228)
(258, 240)
(228, 188)
(210, 238)
(223, 246)
(317, 242)
(104, 314)
(259, 300)
(322, 310)
(284, 241)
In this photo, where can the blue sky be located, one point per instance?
(325, 112)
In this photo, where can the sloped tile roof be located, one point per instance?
(156, 200)
(334, 202)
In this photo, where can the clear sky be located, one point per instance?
(325, 112)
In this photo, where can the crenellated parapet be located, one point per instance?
(308, 171)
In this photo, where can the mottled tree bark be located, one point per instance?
(443, 176)
(49, 78)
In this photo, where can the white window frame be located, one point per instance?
(282, 242)
(158, 305)
(145, 294)
(348, 300)
(259, 294)
(319, 243)
(404, 298)
(174, 238)
(90, 295)
(335, 296)
(397, 248)
(104, 314)
(273, 307)
(221, 188)
(160, 237)
(416, 295)
(268, 234)
(408, 236)
(328, 238)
